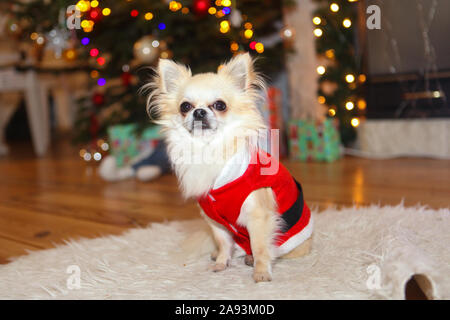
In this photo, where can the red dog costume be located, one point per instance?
(223, 205)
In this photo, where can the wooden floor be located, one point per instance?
(45, 201)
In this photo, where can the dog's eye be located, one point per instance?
(185, 107)
(219, 105)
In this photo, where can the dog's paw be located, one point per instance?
(262, 276)
(248, 260)
(214, 255)
(218, 267)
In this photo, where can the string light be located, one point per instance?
(347, 23)
(97, 156)
(350, 78)
(349, 105)
(34, 36)
(224, 26)
(148, 16)
(83, 6)
(99, 142)
(212, 10)
(362, 78)
(165, 55)
(287, 33)
(93, 14)
(85, 41)
(94, 74)
(134, 13)
(105, 146)
(226, 10)
(101, 61)
(321, 99)
(317, 20)
(259, 47)
(362, 104)
(248, 25)
(185, 10)
(101, 82)
(94, 4)
(106, 12)
(318, 32)
(161, 26)
(93, 52)
(248, 33)
(234, 46)
(331, 112)
(87, 156)
(334, 7)
(355, 122)
(252, 45)
(320, 70)
(85, 24)
(175, 6)
(40, 40)
(226, 3)
(329, 53)
(70, 54)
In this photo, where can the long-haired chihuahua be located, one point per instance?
(212, 126)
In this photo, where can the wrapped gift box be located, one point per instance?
(314, 141)
(126, 144)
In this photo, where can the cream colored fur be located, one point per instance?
(236, 84)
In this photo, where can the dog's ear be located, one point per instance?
(171, 74)
(240, 68)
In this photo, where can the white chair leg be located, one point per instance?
(6, 111)
(63, 108)
(37, 109)
(8, 104)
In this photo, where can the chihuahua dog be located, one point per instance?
(211, 123)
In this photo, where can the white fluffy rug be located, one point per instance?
(366, 253)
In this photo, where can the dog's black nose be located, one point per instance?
(199, 114)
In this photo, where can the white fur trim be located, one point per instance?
(233, 169)
(297, 239)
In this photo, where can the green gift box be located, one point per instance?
(311, 140)
(126, 143)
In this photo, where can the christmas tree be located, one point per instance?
(341, 80)
(117, 39)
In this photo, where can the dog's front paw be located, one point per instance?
(262, 276)
(248, 260)
(214, 255)
(218, 267)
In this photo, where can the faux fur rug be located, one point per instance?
(366, 253)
